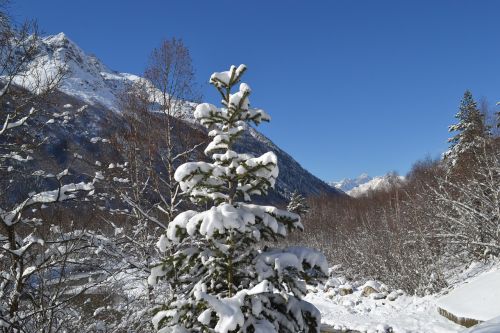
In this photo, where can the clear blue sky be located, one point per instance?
(352, 86)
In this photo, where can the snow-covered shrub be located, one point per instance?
(384, 236)
(222, 280)
(467, 211)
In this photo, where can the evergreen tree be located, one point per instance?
(498, 117)
(471, 132)
(298, 204)
(222, 279)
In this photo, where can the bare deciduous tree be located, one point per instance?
(153, 143)
(34, 257)
(468, 210)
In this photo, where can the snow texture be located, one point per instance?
(406, 314)
(479, 299)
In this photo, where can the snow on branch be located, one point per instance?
(8, 124)
(64, 192)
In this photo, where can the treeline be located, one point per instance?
(445, 213)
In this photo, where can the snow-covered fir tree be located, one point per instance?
(298, 204)
(498, 116)
(222, 278)
(470, 129)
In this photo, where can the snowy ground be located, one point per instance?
(404, 314)
(372, 313)
(479, 299)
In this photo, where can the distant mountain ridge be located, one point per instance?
(348, 184)
(91, 82)
(364, 184)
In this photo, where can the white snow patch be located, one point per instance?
(478, 299)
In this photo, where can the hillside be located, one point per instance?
(91, 82)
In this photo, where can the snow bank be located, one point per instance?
(478, 300)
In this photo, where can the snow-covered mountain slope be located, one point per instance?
(88, 79)
(348, 184)
(381, 183)
(365, 184)
(91, 82)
